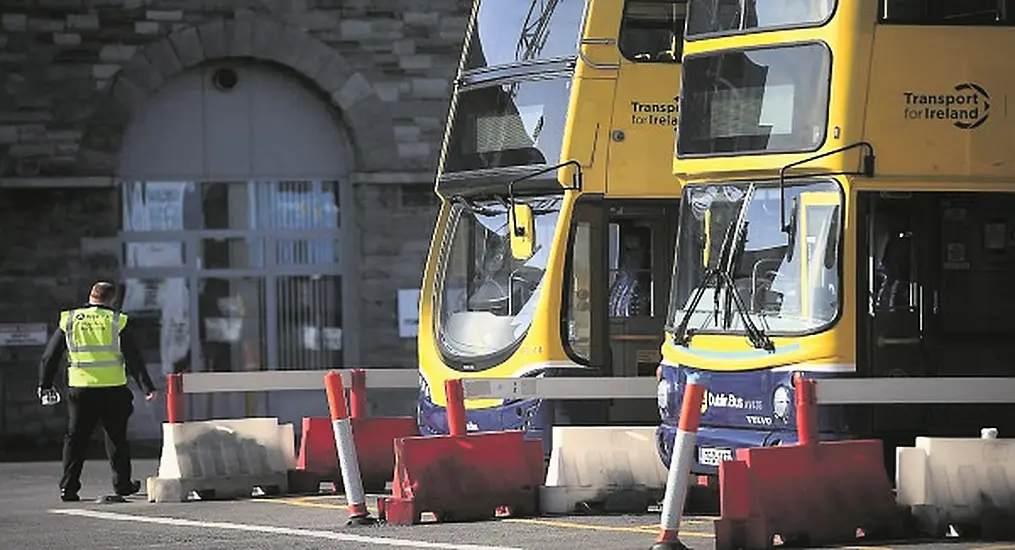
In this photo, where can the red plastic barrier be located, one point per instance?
(455, 394)
(806, 409)
(813, 493)
(464, 477)
(374, 438)
(375, 447)
(174, 398)
(358, 394)
(537, 463)
(318, 451)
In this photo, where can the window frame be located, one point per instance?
(681, 35)
(787, 45)
(840, 250)
(565, 77)
(472, 29)
(883, 20)
(568, 290)
(487, 361)
(452, 361)
(756, 30)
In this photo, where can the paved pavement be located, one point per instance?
(32, 516)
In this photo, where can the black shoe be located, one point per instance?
(135, 486)
(110, 498)
(69, 497)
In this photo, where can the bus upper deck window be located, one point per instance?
(726, 17)
(652, 30)
(945, 12)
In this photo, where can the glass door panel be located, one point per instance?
(158, 313)
(309, 322)
(231, 316)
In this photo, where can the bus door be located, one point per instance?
(891, 253)
(969, 302)
(640, 238)
(585, 328)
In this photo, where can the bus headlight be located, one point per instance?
(781, 403)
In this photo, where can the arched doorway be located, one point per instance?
(233, 202)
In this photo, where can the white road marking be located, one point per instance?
(308, 533)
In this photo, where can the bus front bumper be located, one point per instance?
(524, 415)
(713, 445)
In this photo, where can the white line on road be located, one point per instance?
(309, 533)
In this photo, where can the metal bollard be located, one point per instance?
(347, 459)
(680, 465)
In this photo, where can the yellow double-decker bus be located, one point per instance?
(553, 246)
(848, 210)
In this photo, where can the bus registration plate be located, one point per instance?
(712, 456)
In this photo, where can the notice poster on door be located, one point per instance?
(153, 206)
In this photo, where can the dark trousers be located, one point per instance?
(87, 407)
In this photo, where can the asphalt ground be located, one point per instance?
(32, 516)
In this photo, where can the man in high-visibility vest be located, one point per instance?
(100, 353)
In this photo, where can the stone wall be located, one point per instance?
(72, 73)
(47, 261)
(71, 67)
(394, 254)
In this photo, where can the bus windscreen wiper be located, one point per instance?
(757, 336)
(732, 242)
(681, 334)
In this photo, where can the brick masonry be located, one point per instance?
(74, 72)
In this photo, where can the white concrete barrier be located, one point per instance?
(597, 465)
(957, 481)
(223, 459)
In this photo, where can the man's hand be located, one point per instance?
(150, 395)
(48, 396)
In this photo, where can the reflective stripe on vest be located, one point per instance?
(93, 347)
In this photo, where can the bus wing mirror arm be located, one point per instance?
(866, 170)
(523, 234)
(576, 179)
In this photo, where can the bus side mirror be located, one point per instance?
(523, 232)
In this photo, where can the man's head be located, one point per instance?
(103, 293)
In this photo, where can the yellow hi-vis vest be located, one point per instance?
(93, 347)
